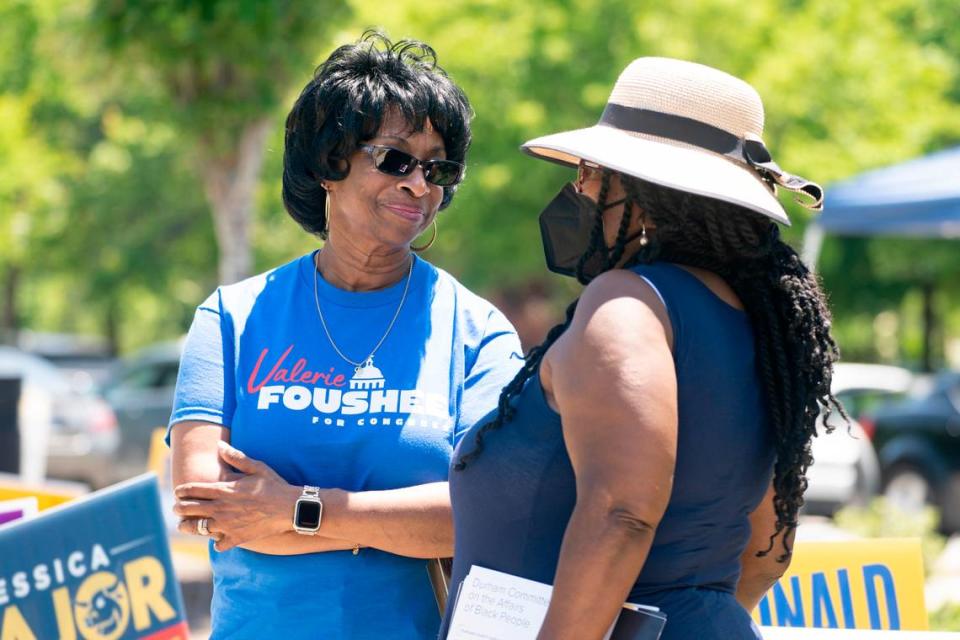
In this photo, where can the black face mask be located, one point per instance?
(565, 226)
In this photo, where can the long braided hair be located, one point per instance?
(795, 352)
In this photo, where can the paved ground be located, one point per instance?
(944, 584)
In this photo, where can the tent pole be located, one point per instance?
(928, 328)
(812, 243)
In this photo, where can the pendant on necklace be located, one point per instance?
(367, 370)
(367, 376)
(366, 365)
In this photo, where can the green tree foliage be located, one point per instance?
(101, 213)
(123, 123)
(32, 196)
(828, 73)
(223, 65)
(847, 86)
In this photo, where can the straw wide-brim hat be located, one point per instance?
(685, 126)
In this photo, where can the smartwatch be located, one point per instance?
(308, 512)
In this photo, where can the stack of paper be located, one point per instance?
(492, 605)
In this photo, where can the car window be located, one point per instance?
(860, 401)
(146, 376)
(134, 378)
(33, 370)
(167, 376)
(954, 395)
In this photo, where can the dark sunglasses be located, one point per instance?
(393, 162)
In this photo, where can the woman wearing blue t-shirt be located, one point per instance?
(653, 449)
(347, 376)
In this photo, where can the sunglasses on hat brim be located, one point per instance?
(397, 163)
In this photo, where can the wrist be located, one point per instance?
(334, 508)
(284, 516)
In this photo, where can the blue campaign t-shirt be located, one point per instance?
(258, 361)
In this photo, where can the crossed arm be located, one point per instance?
(252, 507)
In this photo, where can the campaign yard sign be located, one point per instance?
(859, 584)
(13, 510)
(97, 568)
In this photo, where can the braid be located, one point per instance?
(714, 234)
(616, 254)
(795, 352)
(505, 410)
(791, 324)
(597, 244)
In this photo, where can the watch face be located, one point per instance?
(308, 514)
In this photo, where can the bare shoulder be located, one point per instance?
(617, 349)
(619, 322)
(620, 299)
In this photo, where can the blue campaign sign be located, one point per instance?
(96, 568)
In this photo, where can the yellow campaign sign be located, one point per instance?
(858, 584)
(46, 496)
(158, 457)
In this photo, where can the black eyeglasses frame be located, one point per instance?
(411, 162)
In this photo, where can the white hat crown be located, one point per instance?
(693, 91)
(685, 126)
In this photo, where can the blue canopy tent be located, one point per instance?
(919, 198)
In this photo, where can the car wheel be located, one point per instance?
(908, 489)
(862, 492)
(950, 516)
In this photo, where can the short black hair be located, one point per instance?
(344, 105)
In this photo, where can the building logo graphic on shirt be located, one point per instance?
(367, 376)
(364, 400)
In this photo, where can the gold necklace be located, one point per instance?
(368, 361)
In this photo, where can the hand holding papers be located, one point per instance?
(492, 605)
(495, 605)
(637, 622)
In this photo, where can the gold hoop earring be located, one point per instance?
(326, 214)
(433, 239)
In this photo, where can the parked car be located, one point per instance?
(86, 359)
(918, 443)
(140, 390)
(75, 427)
(845, 468)
(861, 388)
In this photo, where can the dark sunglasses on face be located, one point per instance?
(393, 162)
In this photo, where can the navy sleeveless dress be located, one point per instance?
(511, 505)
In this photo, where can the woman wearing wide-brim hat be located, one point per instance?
(654, 447)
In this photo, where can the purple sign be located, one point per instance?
(10, 516)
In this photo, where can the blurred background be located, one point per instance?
(140, 161)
